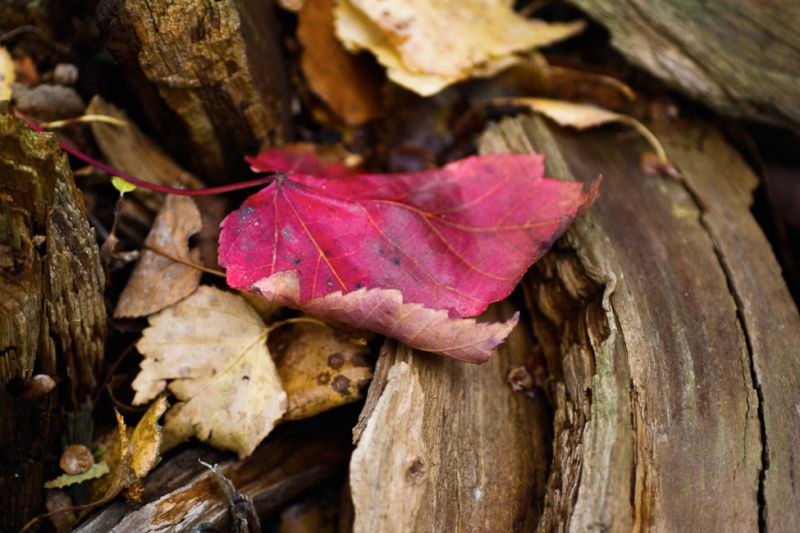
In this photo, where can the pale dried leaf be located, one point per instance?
(158, 281)
(7, 74)
(320, 370)
(383, 311)
(211, 349)
(428, 45)
(583, 116)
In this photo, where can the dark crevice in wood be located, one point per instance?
(762, 472)
(568, 319)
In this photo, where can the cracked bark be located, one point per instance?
(739, 57)
(208, 75)
(667, 331)
(52, 312)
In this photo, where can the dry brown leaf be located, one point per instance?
(130, 454)
(320, 370)
(583, 116)
(211, 349)
(345, 82)
(7, 74)
(158, 281)
(427, 45)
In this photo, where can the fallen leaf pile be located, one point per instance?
(210, 351)
(427, 45)
(418, 252)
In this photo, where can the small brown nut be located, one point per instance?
(76, 459)
(38, 386)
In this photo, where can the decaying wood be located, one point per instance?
(740, 57)
(181, 494)
(667, 331)
(208, 75)
(447, 446)
(52, 313)
(671, 426)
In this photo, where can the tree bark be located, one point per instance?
(52, 312)
(448, 446)
(741, 58)
(208, 75)
(667, 331)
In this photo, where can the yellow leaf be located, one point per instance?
(122, 186)
(131, 454)
(210, 350)
(320, 370)
(7, 74)
(582, 116)
(426, 45)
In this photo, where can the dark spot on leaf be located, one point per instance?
(323, 378)
(296, 260)
(245, 212)
(245, 378)
(359, 285)
(359, 360)
(341, 384)
(335, 360)
(396, 260)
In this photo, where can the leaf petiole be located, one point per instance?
(264, 180)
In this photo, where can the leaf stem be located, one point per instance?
(264, 180)
(177, 259)
(300, 319)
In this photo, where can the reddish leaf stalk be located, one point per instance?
(264, 180)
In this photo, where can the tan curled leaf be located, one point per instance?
(346, 83)
(7, 74)
(158, 281)
(130, 454)
(320, 370)
(210, 351)
(65, 480)
(384, 311)
(427, 45)
(583, 116)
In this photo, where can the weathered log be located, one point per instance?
(447, 446)
(670, 340)
(181, 494)
(52, 313)
(742, 58)
(208, 75)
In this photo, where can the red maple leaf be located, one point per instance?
(455, 238)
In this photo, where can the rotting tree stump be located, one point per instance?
(209, 75)
(671, 344)
(52, 312)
